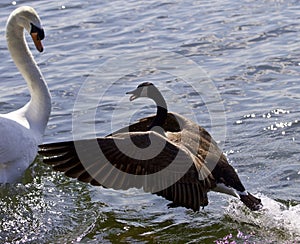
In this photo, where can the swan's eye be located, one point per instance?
(40, 32)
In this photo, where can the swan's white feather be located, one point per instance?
(18, 147)
(21, 131)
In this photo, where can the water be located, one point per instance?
(249, 53)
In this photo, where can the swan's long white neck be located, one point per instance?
(37, 110)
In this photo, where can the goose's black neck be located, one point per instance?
(160, 118)
(162, 110)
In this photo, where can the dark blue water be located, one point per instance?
(232, 67)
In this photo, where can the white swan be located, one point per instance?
(21, 131)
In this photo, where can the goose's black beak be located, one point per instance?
(134, 95)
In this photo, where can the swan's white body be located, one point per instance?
(21, 131)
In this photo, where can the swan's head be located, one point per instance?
(146, 89)
(28, 18)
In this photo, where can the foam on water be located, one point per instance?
(275, 220)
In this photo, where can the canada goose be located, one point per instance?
(198, 165)
(22, 130)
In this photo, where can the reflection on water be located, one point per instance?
(251, 52)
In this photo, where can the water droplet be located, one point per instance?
(268, 115)
(14, 3)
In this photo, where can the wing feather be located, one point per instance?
(107, 164)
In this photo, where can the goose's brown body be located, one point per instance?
(200, 166)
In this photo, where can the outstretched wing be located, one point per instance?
(139, 159)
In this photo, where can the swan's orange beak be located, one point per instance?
(37, 42)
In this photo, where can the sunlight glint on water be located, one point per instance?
(249, 49)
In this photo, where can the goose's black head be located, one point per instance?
(145, 89)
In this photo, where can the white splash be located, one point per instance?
(273, 220)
